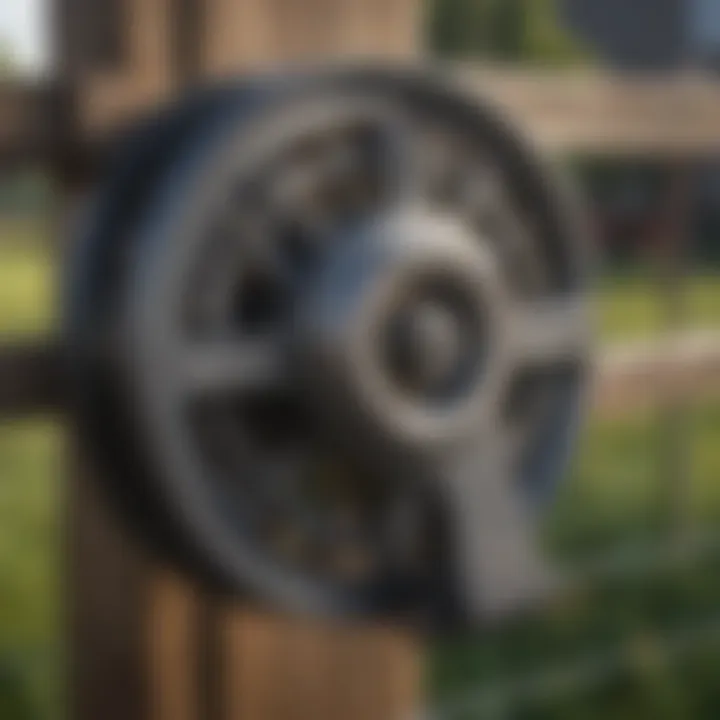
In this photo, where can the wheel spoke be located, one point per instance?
(499, 565)
(519, 250)
(244, 366)
(401, 157)
(481, 192)
(549, 331)
(486, 203)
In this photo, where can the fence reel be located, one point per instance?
(329, 341)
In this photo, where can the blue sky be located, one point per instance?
(22, 25)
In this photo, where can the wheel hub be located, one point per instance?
(399, 332)
(426, 347)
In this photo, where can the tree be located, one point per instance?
(508, 38)
(459, 27)
(548, 40)
(527, 31)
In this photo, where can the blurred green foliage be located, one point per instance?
(631, 305)
(526, 31)
(30, 566)
(27, 280)
(30, 497)
(614, 499)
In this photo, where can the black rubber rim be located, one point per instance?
(145, 192)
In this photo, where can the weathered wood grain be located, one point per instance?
(597, 113)
(200, 658)
(31, 121)
(565, 112)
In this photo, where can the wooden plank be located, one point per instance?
(653, 373)
(566, 112)
(606, 114)
(38, 125)
(188, 21)
(243, 36)
(109, 676)
(284, 668)
(31, 116)
(107, 95)
(173, 619)
(106, 102)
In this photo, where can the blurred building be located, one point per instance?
(648, 34)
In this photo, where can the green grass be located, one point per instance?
(30, 561)
(616, 495)
(30, 492)
(632, 306)
(27, 280)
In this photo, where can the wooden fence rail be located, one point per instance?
(31, 377)
(567, 112)
(595, 113)
(30, 122)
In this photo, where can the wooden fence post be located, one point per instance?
(145, 644)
